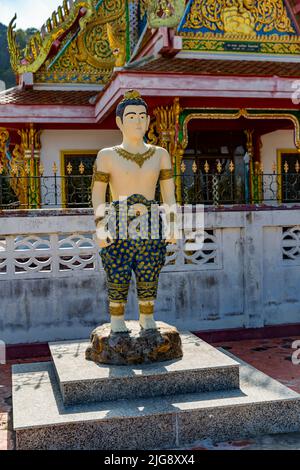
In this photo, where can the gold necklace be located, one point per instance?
(138, 158)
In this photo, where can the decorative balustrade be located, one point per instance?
(206, 185)
(245, 274)
(61, 247)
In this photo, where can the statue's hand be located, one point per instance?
(103, 237)
(171, 236)
(103, 243)
(171, 241)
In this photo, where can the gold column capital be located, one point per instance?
(31, 139)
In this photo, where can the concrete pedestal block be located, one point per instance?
(202, 368)
(254, 405)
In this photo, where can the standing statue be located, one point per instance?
(132, 171)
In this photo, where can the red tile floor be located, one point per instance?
(271, 356)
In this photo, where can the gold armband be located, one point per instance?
(117, 310)
(166, 174)
(99, 176)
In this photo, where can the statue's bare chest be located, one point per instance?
(131, 169)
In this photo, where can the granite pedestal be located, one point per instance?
(71, 403)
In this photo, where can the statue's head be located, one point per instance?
(132, 116)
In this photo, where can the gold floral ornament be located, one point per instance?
(41, 169)
(27, 168)
(14, 170)
(131, 95)
(81, 168)
(239, 17)
(116, 33)
(69, 168)
(165, 13)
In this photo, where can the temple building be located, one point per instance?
(222, 79)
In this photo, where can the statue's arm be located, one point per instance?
(167, 188)
(100, 180)
(166, 178)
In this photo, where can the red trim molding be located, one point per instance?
(34, 350)
(239, 334)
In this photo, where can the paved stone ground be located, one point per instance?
(271, 356)
(274, 358)
(7, 437)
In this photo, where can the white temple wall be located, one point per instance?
(53, 286)
(281, 139)
(54, 141)
(271, 143)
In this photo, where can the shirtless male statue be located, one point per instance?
(132, 171)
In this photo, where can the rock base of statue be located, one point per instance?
(138, 346)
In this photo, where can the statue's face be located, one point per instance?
(135, 122)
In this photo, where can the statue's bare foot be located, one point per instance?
(118, 325)
(147, 322)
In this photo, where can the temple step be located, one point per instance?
(202, 369)
(42, 421)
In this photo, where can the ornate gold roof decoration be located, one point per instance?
(116, 33)
(92, 55)
(244, 26)
(41, 42)
(91, 39)
(85, 39)
(4, 138)
(239, 17)
(165, 12)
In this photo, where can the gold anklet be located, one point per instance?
(146, 309)
(117, 310)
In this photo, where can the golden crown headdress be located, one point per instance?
(131, 95)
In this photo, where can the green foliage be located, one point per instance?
(6, 73)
